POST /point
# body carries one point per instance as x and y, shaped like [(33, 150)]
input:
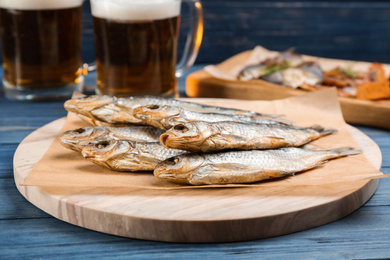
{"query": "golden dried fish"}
[(95, 122), (114, 114), (77, 139), (119, 110), (250, 72), (307, 73), (122, 155), (85, 105), (134, 102), (209, 137), (244, 166), (165, 117)]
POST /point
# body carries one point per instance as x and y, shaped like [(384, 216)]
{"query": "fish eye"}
[(79, 131), (180, 127), (102, 144), (152, 107), (172, 161)]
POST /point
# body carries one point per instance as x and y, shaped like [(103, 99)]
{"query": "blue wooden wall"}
[(356, 30)]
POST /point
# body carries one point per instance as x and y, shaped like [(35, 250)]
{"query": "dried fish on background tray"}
[(201, 136), (165, 117), (244, 166), (122, 155), (290, 69), (77, 139)]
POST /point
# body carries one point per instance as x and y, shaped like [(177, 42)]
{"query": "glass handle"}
[(194, 38)]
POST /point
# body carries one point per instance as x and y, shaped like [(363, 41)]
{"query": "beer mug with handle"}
[(41, 48), (136, 45)]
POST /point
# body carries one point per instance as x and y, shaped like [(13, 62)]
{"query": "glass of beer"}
[(136, 45), (41, 48)]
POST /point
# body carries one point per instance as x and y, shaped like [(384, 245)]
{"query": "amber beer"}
[(41, 51), (136, 47)]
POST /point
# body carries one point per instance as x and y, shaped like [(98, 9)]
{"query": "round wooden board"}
[(194, 215)]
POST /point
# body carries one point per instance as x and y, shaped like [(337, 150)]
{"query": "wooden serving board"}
[(192, 215), (203, 84)]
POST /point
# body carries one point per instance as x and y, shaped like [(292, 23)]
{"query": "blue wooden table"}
[(27, 232)]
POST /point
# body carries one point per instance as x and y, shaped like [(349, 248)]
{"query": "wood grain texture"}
[(203, 84), (204, 215)]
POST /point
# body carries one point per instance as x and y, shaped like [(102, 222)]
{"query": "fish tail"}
[(323, 130), (345, 151)]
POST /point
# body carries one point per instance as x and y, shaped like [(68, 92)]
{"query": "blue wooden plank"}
[(385, 156), (6, 164), (365, 234), (14, 206)]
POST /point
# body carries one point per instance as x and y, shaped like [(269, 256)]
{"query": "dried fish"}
[(309, 74), (134, 102), (244, 166), (165, 117), (85, 105), (120, 110), (201, 136), (250, 72), (77, 139), (122, 155), (114, 114), (287, 68)]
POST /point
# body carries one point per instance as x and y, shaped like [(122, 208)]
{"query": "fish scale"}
[(210, 137), (119, 110), (244, 166)]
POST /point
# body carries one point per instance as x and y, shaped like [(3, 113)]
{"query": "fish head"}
[(153, 114), (105, 112), (86, 104), (114, 113), (78, 138), (187, 135), (252, 72), (104, 150), (155, 111), (179, 168)]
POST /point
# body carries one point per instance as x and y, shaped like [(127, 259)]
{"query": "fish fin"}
[(281, 121), (319, 164), (309, 147), (87, 119), (282, 141), (345, 151), (323, 130), (272, 115)]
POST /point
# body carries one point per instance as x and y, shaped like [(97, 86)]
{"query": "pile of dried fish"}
[(290, 69), (190, 143)]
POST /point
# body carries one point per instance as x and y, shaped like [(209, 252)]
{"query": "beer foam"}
[(135, 10), (39, 4)]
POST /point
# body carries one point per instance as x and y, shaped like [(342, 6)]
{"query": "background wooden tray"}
[(202, 84), (194, 215)]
